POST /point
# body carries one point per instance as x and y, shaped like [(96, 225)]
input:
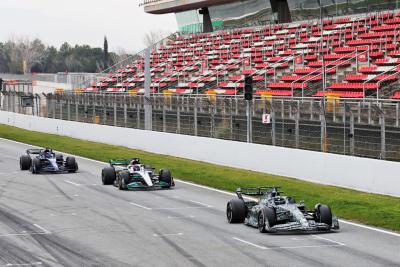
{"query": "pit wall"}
[(363, 174)]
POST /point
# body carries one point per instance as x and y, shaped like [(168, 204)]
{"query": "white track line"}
[(24, 264), (249, 243), (42, 228), (157, 235), (200, 203), (70, 182), (140, 206), (327, 239), (224, 192)]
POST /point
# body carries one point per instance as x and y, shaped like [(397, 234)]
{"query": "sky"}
[(82, 22)]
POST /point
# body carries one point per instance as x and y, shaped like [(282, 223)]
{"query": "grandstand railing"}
[(123, 62)]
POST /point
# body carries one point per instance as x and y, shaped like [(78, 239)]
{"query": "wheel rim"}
[(229, 213)]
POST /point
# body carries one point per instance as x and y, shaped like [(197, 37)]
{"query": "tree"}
[(106, 55), (153, 37)]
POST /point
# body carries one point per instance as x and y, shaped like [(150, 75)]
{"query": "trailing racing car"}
[(130, 174), (273, 212), (45, 160)]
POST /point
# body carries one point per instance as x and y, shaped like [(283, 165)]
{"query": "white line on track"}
[(157, 235), (249, 243), (337, 244), (140, 206), (327, 239), (42, 228), (222, 191), (180, 217), (70, 182), (180, 208), (24, 264), (200, 203)]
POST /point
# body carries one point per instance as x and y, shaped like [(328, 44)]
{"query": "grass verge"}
[(372, 209)]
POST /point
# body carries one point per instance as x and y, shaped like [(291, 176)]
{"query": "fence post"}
[(195, 116), (312, 109), (94, 109), (148, 108), (351, 136), (61, 108), (178, 119), (164, 115), (138, 114), (125, 113), (104, 113), (323, 130), (115, 113), (69, 109), (297, 125), (85, 107), (76, 109), (54, 107), (249, 121), (397, 114), (383, 136), (273, 129)]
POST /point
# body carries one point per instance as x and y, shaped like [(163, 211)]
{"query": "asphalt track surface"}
[(73, 220)]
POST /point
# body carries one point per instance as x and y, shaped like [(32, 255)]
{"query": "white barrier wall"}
[(363, 174)]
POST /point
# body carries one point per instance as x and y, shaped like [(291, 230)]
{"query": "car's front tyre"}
[(25, 162), (108, 175), (236, 211)]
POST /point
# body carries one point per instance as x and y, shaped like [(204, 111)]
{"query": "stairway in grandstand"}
[(359, 55)]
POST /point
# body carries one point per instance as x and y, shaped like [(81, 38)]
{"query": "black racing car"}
[(274, 212), (45, 160)]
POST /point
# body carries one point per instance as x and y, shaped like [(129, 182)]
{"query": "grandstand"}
[(349, 57)]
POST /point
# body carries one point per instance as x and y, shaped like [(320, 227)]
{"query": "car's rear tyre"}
[(35, 167), (71, 164), (266, 219), (324, 214), (166, 177), (124, 177), (236, 211), (108, 175), (25, 162)]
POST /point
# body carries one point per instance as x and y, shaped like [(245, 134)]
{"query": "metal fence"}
[(349, 127)]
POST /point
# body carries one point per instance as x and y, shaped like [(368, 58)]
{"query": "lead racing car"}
[(273, 212), (130, 174), (45, 160)]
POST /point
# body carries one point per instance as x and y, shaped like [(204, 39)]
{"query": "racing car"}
[(274, 212), (130, 174), (45, 160)]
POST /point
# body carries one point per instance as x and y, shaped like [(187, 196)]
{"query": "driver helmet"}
[(135, 161), (47, 152)]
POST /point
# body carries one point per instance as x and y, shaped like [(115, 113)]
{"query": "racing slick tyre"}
[(124, 177), (324, 214), (71, 164), (266, 219), (35, 167), (236, 211), (166, 177), (25, 162), (108, 175)]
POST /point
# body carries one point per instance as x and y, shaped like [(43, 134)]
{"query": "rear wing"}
[(33, 151), (119, 162), (255, 191)]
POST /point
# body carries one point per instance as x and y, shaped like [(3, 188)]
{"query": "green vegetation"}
[(372, 209)]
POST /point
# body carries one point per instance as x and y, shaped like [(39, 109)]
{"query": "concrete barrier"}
[(369, 175)]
